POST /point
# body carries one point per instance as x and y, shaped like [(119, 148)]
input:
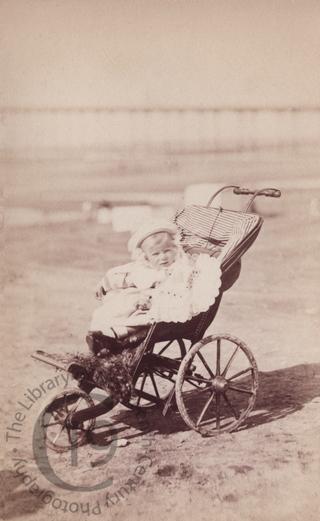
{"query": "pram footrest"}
[(59, 362)]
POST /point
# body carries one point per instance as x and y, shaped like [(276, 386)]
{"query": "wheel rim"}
[(57, 431), (220, 392)]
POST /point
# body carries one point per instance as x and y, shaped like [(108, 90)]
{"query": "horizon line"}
[(160, 108)]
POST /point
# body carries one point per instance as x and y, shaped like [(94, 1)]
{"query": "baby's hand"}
[(100, 292), (144, 302), (102, 288)]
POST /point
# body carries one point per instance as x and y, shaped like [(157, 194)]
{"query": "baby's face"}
[(160, 250)]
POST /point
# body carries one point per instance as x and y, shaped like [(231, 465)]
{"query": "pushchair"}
[(213, 380)]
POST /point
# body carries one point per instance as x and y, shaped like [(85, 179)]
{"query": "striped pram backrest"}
[(231, 232)]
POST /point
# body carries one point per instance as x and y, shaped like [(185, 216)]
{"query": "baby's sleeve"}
[(120, 277)]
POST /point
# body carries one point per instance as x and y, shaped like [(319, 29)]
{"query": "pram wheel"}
[(151, 388), (56, 427), (220, 391), (154, 381)]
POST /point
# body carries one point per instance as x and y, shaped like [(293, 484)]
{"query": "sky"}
[(98, 53)]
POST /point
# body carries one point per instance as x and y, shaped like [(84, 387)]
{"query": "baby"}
[(162, 284), (126, 291)]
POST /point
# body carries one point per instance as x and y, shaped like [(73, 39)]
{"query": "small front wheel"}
[(58, 433), (217, 384)]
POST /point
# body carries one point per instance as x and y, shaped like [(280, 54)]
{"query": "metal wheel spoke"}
[(234, 412), (164, 376), (240, 389), (182, 346), (154, 385), (66, 404), (218, 357), (205, 364), (202, 389), (51, 424), (204, 410), (165, 347), (71, 438), (57, 415), (141, 387), (58, 434), (77, 404), (197, 385), (218, 397), (199, 379), (224, 372), (240, 373), (193, 384)]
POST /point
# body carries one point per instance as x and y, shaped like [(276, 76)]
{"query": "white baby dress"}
[(177, 293), (190, 287)]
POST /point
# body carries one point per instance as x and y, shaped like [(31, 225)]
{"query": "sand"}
[(268, 470)]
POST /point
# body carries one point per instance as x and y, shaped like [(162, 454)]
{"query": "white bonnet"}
[(150, 229)]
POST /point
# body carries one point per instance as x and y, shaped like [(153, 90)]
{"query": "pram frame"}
[(177, 371)]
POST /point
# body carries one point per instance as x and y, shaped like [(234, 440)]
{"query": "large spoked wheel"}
[(217, 385), (58, 433), (155, 378)]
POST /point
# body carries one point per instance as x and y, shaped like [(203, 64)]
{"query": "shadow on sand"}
[(16, 500), (281, 392)]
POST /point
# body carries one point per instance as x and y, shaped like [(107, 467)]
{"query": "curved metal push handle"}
[(219, 192), (268, 192)]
